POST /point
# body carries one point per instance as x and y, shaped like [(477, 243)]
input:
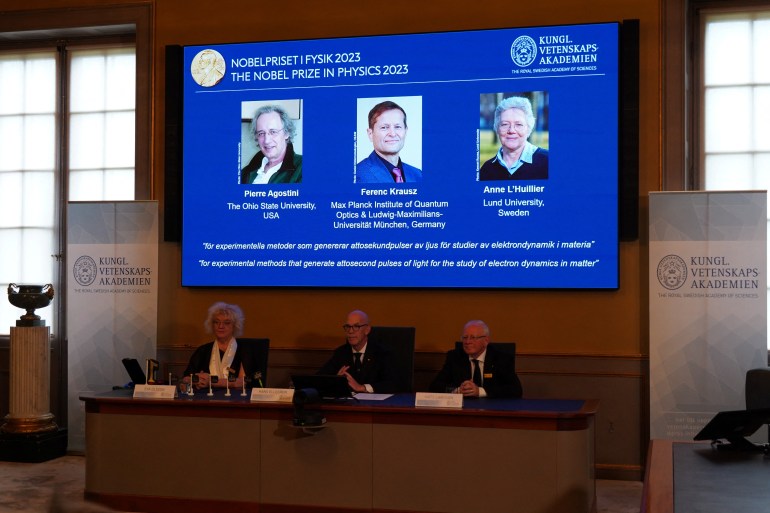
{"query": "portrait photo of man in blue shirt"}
[(387, 131)]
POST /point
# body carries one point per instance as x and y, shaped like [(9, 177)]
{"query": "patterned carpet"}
[(56, 486)]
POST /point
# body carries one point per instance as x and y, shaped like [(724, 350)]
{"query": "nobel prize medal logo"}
[(672, 272), (208, 68), (523, 51), (84, 270)]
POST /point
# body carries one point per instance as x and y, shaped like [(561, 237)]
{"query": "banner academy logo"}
[(672, 272), (523, 51), (84, 270)]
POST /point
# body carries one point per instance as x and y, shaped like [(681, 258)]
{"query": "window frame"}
[(682, 130), (682, 121), (29, 29)]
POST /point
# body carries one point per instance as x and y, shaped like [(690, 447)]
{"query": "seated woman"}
[(225, 322)]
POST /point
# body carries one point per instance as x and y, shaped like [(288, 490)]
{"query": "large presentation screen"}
[(475, 159)]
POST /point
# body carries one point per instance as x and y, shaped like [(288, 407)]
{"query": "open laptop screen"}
[(135, 371), (733, 425)]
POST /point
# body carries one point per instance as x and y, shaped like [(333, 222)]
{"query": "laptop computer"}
[(329, 386), (734, 426), (135, 371)]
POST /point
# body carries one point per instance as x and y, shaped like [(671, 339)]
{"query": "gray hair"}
[(482, 324), (233, 312), (288, 123), (515, 102)]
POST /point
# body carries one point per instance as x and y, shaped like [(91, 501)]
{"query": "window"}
[(99, 122), (735, 103), (102, 96), (74, 124), (43, 135), (27, 171), (716, 101)]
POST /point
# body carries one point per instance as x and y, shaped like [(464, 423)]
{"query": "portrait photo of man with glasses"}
[(274, 127), (366, 365)]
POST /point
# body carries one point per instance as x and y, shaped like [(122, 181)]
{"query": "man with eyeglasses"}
[(387, 132), (276, 161), (517, 158), (477, 369), (366, 365)]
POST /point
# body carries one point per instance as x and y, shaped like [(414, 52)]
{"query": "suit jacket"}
[(373, 170), (500, 379), (376, 369), (537, 170)]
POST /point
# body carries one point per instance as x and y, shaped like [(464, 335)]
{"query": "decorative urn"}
[(29, 298)]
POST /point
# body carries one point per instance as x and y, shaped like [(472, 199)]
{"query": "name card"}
[(274, 395), (434, 400), (154, 391)]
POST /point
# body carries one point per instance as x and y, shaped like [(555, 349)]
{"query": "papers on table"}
[(372, 397)]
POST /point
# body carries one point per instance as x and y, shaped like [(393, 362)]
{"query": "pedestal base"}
[(33, 447), (29, 425)]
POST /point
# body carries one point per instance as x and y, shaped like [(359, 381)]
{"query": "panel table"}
[(198, 454)]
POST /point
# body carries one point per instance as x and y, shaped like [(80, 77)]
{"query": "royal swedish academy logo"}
[(523, 51), (84, 270), (672, 272)]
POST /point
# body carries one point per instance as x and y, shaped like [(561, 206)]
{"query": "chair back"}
[(758, 390), (400, 341), (254, 356)]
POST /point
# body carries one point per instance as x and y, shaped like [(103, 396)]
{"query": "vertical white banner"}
[(112, 298), (708, 305)]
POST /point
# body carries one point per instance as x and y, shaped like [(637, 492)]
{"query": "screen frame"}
[(627, 167)]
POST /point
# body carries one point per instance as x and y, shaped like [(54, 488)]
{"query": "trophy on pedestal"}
[(29, 432), (29, 298)]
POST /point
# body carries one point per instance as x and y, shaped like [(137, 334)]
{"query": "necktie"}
[(476, 373), (357, 363), (398, 174)]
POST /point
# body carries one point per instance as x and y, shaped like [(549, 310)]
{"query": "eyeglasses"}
[(272, 133), (222, 323), (506, 126), (353, 327), (473, 338)]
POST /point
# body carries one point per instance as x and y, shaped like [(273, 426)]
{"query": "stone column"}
[(29, 400)]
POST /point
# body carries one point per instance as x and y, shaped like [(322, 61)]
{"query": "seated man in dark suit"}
[(477, 370), (365, 364)]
